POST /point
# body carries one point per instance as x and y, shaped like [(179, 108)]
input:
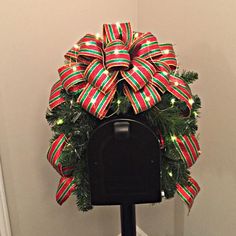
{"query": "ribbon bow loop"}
[(94, 65), (122, 31)]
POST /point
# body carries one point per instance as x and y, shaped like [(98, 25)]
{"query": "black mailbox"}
[(124, 163)]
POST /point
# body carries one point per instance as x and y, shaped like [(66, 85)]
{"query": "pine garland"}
[(169, 117)]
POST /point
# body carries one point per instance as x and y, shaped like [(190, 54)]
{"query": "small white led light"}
[(135, 68), (116, 51), (165, 73), (166, 51), (118, 101), (98, 36), (74, 68), (60, 121), (87, 43), (147, 99), (172, 101), (136, 35), (93, 100), (106, 72), (173, 138), (191, 101), (117, 24), (162, 193), (76, 46), (176, 83), (170, 173), (148, 42)]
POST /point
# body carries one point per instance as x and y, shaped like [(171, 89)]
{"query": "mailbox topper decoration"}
[(123, 73)]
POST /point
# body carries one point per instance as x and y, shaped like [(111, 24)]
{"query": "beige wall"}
[(205, 36), (34, 37)]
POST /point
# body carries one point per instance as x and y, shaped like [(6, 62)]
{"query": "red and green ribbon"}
[(66, 185), (188, 192), (188, 148), (93, 69), (94, 64), (55, 98)]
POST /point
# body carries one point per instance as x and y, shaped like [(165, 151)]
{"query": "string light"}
[(106, 72), (60, 121), (172, 101), (166, 51), (173, 138), (117, 24), (165, 73), (116, 51), (162, 193), (176, 83), (93, 100), (147, 99), (76, 46), (148, 42), (74, 68), (98, 36), (191, 101), (87, 43), (170, 173), (118, 101), (135, 68), (136, 35), (195, 113)]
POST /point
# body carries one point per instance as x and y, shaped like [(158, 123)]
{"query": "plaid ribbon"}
[(66, 183)]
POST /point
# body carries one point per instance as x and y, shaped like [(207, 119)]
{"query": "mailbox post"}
[(124, 168)]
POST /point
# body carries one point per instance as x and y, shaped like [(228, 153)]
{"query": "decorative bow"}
[(66, 184), (95, 67)]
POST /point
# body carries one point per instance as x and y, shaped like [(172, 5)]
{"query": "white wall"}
[(204, 33)]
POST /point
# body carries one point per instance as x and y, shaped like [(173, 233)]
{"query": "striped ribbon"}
[(168, 55), (144, 64), (188, 192), (99, 77), (55, 98), (94, 101), (161, 81), (120, 31), (66, 184), (117, 55), (188, 148), (143, 99), (90, 48), (72, 54), (71, 74), (140, 74), (145, 46), (180, 90)]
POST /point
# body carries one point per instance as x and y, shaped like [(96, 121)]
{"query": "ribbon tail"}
[(65, 188), (55, 98), (143, 99), (188, 192)]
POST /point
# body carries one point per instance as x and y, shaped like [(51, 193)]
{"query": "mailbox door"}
[(124, 163)]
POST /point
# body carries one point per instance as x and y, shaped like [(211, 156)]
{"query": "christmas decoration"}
[(123, 73)]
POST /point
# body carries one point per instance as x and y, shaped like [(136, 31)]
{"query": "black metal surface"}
[(128, 222), (124, 163)]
